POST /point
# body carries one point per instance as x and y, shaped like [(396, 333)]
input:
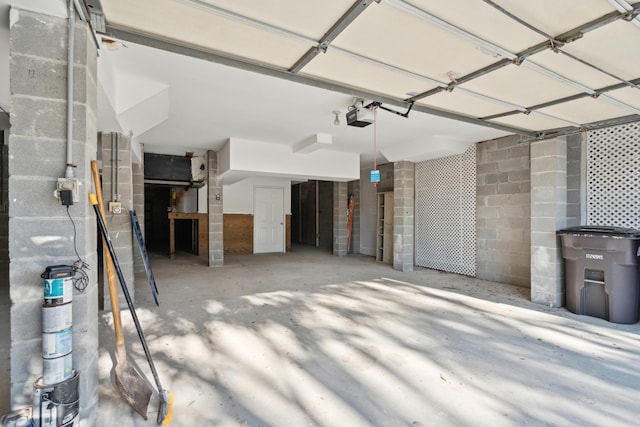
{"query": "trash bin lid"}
[(601, 230)]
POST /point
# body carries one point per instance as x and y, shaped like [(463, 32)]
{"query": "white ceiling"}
[(209, 102), (390, 52)]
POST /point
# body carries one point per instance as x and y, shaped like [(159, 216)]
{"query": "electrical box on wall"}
[(115, 207), (63, 187)]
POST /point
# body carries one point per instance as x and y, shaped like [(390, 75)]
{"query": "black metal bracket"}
[(377, 104)]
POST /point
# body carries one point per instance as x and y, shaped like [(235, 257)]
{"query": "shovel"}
[(131, 385), (166, 400)]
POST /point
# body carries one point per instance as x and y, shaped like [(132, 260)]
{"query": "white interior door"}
[(268, 220)]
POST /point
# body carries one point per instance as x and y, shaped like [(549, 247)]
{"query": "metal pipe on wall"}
[(115, 196), (70, 61)]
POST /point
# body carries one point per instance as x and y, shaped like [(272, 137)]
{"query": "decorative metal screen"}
[(445, 215), (613, 176)]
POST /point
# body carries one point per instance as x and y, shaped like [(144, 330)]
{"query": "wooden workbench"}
[(203, 230)]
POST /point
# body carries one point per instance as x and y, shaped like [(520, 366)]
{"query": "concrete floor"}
[(309, 339)]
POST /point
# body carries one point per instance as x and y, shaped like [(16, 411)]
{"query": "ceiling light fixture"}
[(336, 121)]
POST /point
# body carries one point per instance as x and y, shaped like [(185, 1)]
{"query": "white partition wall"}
[(613, 176), (445, 213)]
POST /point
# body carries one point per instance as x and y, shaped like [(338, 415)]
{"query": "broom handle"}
[(111, 275), (125, 290)]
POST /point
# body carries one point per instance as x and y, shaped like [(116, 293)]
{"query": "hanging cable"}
[(81, 281), (375, 143)]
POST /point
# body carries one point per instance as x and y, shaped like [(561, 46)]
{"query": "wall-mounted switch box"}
[(67, 184), (115, 207)]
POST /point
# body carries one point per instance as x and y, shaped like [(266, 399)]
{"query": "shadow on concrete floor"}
[(308, 339)]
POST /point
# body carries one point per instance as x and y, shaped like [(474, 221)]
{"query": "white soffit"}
[(167, 19), (410, 43), (464, 103), (521, 85), (433, 147), (334, 66), (247, 157), (494, 26), (613, 47), (586, 110)]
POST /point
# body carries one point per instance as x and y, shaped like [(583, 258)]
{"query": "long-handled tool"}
[(164, 412), (131, 385)]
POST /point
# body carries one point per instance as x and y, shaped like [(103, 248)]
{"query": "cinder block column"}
[(214, 194), (115, 152), (548, 214), (403, 215), (4, 216), (340, 206), (40, 230), (137, 169), (576, 179)]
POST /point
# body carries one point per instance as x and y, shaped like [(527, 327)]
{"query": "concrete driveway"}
[(309, 339)]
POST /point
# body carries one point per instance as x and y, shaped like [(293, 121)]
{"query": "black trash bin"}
[(602, 271)]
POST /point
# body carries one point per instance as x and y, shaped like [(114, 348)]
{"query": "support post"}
[(403, 215), (340, 206), (548, 214), (214, 195)]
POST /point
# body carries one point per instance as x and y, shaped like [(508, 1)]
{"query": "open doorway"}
[(312, 214), (159, 201)]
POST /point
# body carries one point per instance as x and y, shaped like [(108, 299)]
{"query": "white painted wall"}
[(224, 157), (237, 198), (186, 200), (202, 200)]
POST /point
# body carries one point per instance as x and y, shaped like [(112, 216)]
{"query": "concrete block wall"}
[(4, 215), (137, 169), (548, 214), (403, 215), (216, 218), (340, 196), (576, 179), (41, 232), (119, 225), (503, 209), (5, 318)]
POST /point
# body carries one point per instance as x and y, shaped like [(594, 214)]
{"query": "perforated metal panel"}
[(613, 176), (445, 215)]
